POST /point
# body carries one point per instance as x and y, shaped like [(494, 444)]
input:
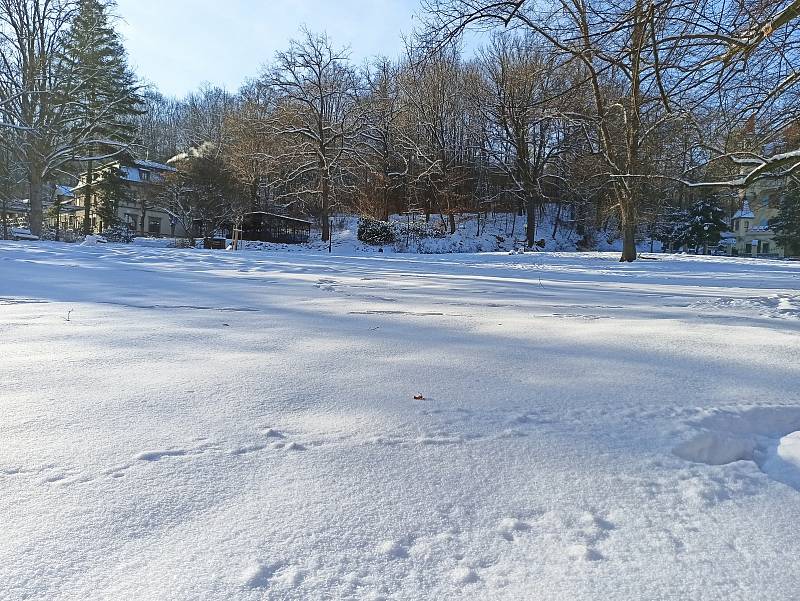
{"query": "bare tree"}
[(649, 65), (31, 99), (524, 88), (316, 108)]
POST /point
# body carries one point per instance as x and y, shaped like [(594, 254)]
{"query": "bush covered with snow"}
[(119, 233), (375, 232)]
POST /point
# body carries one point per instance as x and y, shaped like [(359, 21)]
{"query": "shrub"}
[(119, 233), (375, 232)]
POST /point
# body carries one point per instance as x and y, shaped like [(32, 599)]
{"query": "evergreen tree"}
[(787, 224), (700, 227), (105, 89), (111, 190)]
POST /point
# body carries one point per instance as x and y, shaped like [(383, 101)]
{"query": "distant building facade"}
[(58, 207), (751, 233), (139, 208)]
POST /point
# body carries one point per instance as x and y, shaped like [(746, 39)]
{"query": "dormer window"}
[(145, 175)]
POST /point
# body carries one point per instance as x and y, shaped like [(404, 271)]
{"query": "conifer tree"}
[(104, 88), (787, 223), (701, 226)]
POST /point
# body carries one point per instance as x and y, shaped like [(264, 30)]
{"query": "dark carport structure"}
[(270, 227)]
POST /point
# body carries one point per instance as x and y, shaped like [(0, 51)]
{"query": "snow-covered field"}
[(180, 425)]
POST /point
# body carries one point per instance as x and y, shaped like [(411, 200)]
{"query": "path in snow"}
[(198, 425)]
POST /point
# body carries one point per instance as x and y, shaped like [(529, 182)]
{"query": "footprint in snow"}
[(393, 550), (157, 455), (261, 576), (464, 575), (247, 449), (583, 553), (509, 528)]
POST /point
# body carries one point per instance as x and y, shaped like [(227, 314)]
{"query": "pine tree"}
[(104, 87), (111, 190), (787, 224), (700, 226)]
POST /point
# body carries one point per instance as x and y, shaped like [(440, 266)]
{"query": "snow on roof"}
[(305, 221), (17, 205), (64, 191), (745, 212), (145, 164)]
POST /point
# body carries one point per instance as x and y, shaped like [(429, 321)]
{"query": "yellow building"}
[(751, 234)]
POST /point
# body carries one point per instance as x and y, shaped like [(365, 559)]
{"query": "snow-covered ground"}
[(182, 424)]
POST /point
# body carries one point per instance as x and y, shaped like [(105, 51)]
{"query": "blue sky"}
[(178, 45)]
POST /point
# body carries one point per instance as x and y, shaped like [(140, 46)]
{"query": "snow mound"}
[(768, 436), (775, 306), (781, 461)]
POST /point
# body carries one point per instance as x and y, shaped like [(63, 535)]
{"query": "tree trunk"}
[(87, 199), (35, 190), (4, 216), (326, 222), (254, 194), (628, 240), (386, 198), (531, 221), (143, 214), (557, 222)]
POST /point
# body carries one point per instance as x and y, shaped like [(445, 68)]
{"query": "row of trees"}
[(624, 112)]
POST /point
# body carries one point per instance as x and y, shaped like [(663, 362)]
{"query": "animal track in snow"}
[(275, 575), (277, 440), (393, 550), (464, 575), (158, 455), (510, 528), (579, 316), (326, 285)]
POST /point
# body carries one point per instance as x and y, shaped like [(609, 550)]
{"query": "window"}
[(747, 226), (154, 226), (765, 248), (735, 225), (145, 175)]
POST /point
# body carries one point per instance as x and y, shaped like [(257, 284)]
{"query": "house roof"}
[(303, 221), (745, 212), (146, 164), (65, 191), (16, 205), (23, 205)]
